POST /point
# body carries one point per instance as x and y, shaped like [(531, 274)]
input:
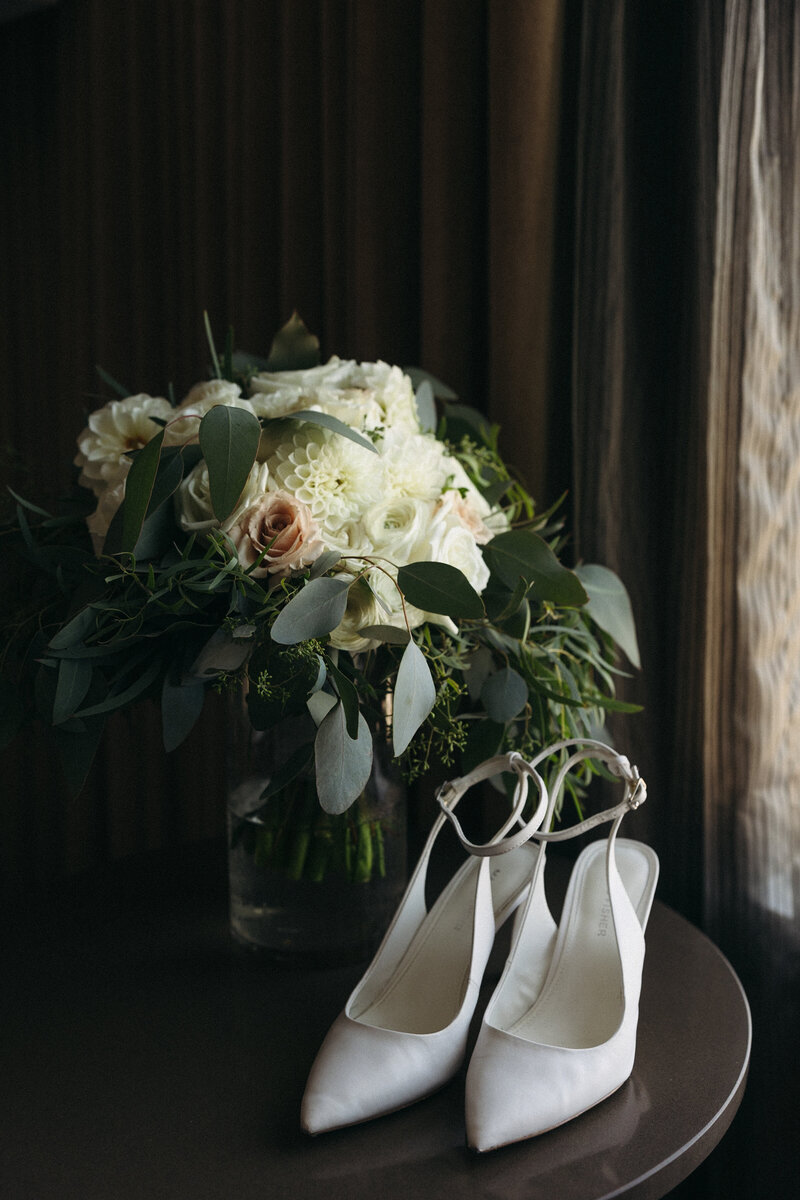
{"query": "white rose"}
[(280, 528), (467, 511), (374, 600), (200, 400), (450, 542), (362, 610), (474, 510), (366, 396), (112, 431), (193, 510)]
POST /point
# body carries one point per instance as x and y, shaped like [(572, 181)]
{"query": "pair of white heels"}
[(559, 1032)]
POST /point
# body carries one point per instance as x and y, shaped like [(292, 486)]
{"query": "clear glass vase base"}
[(326, 924)]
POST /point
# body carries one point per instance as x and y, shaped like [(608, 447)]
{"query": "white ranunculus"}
[(366, 396), (112, 431), (394, 528), (193, 510), (336, 478)]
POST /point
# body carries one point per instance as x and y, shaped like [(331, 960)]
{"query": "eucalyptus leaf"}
[(74, 680), (293, 347), (222, 652), (244, 363), (501, 604), (418, 377), (479, 667), (156, 534), (319, 704), (439, 588), (326, 561), (322, 675), (119, 699), (77, 752), (463, 415), (229, 439), (504, 695), (426, 407), (191, 456), (168, 476), (76, 740), (115, 386), (494, 492), (75, 630), (138, 490), (610, 607), (343, 764), (348, 696), (392, 634), (314, 611), (520, 553), (414, 696), (181, 706), (518, 623), (34, 508), (326, 421), (296, 764)]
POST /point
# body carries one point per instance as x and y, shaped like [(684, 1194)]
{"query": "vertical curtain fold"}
[(524, 57), (687, 460), (630, 494)]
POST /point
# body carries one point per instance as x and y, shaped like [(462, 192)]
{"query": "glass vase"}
[(307, 888)]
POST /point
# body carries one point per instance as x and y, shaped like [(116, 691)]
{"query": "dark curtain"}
[(559, 207), (387, 169), (686, 457)]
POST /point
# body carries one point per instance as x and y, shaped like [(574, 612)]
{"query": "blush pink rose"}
[(284, 526), (464, 508)]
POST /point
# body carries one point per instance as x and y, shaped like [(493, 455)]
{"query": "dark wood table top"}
[(143, 1055)]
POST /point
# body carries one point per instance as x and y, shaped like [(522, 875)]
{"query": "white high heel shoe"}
[(559, 1033), (403, 1031)]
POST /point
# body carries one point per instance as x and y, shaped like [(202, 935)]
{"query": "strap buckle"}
[(445, 795), (637, 790)]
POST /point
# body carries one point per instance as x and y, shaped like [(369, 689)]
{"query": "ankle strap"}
[(618, 764), (635, 794), (451, 792)]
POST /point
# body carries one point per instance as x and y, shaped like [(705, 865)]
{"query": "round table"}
[(144, 1055)]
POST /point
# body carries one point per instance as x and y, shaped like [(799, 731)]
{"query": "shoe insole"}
[(427, 989), (581, 1001)]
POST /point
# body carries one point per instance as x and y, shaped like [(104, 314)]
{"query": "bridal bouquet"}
[(342, 538)]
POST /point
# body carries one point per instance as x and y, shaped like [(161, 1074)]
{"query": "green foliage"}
[(166, 615)]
